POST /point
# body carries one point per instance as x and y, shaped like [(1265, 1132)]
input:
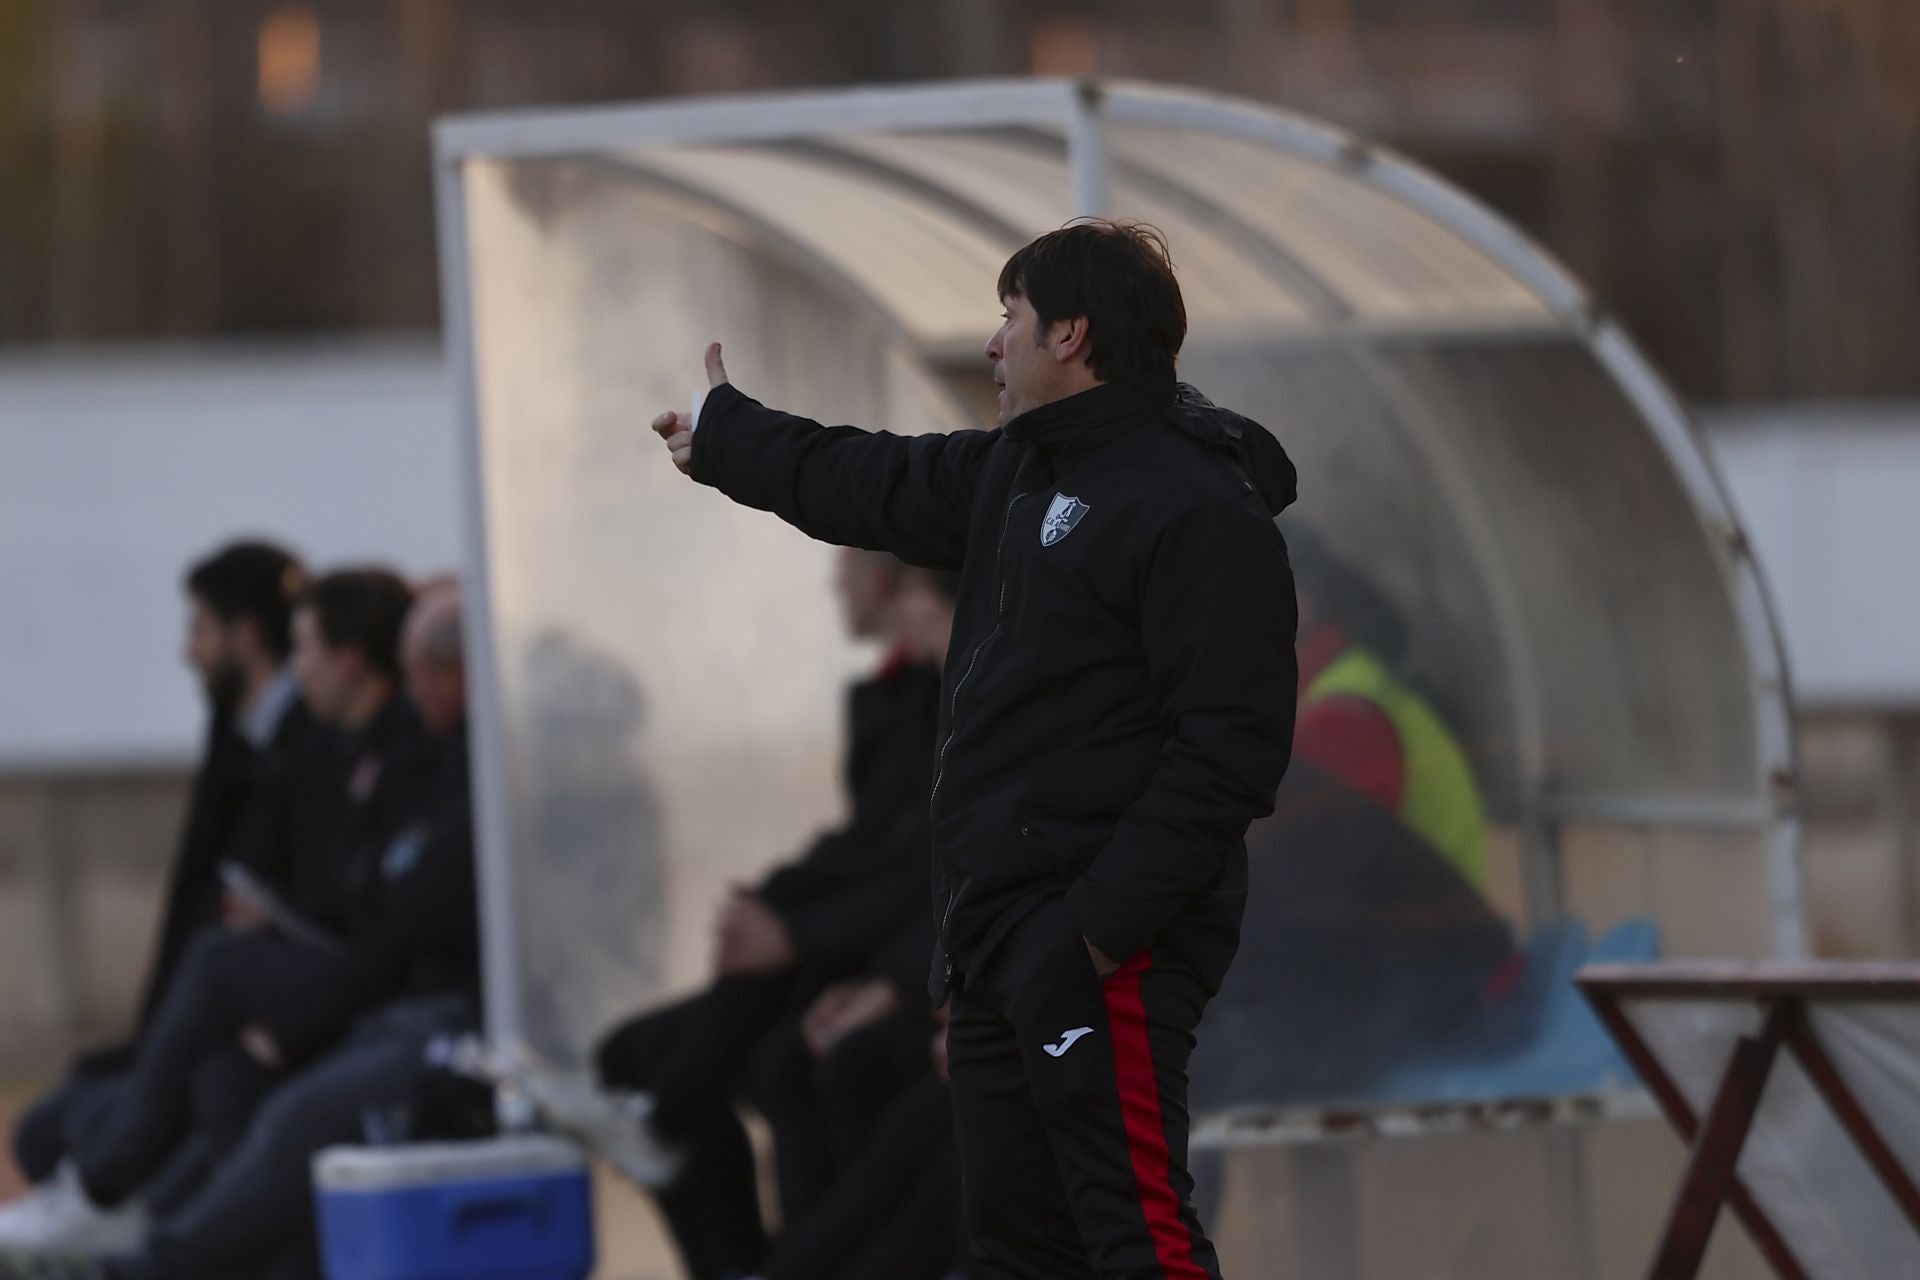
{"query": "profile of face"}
[(1022, 364), (924, 620), (438, 690), (326, 674), (865, 582), (430, 661), (212, 649)]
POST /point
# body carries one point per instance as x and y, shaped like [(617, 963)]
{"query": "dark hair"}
[(256, 581), (362, 609), (1349, 597), (1119, 275)]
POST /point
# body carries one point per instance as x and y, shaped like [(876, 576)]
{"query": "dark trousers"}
[(59, 1122), (783, 1089), (225, 980), (824, 1111), (892, 1214), (253, 1215), (693, 1058), (1070, 1101), (48, 1129)]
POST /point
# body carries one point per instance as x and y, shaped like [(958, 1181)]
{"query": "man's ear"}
[(1068, 340)]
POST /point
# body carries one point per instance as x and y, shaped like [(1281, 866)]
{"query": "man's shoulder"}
[(1173, 478)]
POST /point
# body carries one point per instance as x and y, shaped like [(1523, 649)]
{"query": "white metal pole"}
[(1087, 150), (493, 846)]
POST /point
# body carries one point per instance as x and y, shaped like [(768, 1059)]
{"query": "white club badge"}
[(1062, 515)]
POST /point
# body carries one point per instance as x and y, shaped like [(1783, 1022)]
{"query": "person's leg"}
[(1017, 1211), (912, 1139), (713, 1209), (781, 1088), (689, 1056), (859, 1077), (917, 1241), (1114, 1106), (149, 1114), (40, 1138), (258, 1204), (56, 1214), (225, 981), (228, 1086)]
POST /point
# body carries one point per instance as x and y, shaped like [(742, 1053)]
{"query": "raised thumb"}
[(716, 371)]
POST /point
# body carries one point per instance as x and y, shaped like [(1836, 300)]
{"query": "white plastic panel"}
[(668, 666), (1383, 260)]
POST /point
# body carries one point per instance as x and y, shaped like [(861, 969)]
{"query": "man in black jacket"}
[(261, 745), (1117, 708)]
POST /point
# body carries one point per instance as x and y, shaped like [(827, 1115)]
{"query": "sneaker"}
[(22, 1216), (57, 1217), (619, 1128)]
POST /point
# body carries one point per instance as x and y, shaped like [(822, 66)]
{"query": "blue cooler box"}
[(516, 1208)]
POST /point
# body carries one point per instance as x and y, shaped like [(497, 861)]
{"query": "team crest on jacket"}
[(1062, 515)]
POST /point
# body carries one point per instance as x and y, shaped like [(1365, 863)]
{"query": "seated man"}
[(823, 1076), (894, 1210), (413, 939), (262, 748), (776, 944), (272, 985), (1375, 935)]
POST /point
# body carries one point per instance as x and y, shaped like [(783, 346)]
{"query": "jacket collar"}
[(1090, 418)]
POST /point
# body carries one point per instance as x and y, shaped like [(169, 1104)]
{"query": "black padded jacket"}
[(1119, 695)]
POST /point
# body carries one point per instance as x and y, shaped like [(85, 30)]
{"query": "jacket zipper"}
[(953, 707)]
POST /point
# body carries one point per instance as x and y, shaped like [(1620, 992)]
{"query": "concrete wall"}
[(82, 862)]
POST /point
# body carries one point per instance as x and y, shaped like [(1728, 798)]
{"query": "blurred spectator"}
[(414, 975), (1375, 937), (260, 743), (272, 981), (823, 1075), (1360, 722), (775, 945)]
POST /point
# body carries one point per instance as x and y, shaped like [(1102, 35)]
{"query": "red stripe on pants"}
[(1146, 1130)]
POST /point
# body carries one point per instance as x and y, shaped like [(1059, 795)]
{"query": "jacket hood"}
[(1245, 440)]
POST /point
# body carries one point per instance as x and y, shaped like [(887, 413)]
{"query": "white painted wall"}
[(118, 467), (1830, 496)]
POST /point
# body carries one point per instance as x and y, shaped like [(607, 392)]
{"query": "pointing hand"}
[(676, 429)]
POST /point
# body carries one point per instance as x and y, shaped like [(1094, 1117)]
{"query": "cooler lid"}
[(430, 1163)]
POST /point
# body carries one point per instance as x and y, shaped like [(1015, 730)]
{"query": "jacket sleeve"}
[(1217, 620), (839, 928), (909, 495), (808, 874)]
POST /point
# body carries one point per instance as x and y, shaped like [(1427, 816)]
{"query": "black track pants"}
[(1070, 1101)]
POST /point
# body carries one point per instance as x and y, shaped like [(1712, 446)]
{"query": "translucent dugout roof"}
[(660, 709)]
